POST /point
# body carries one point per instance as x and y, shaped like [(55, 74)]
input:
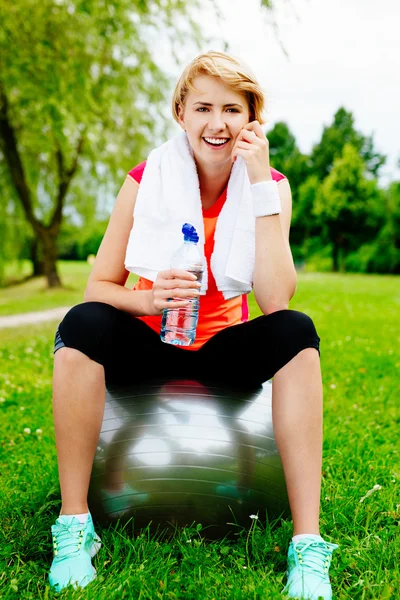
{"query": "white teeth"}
[(216, 141)]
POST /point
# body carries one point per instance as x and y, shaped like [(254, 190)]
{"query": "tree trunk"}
[(49, 244), (46, 234), (335, 256), (36, 258)]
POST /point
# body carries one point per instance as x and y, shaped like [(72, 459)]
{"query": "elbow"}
[(271, 308), (88, 295), (269, 305), (274, 303)]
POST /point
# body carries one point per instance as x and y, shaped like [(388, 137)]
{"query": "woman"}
[(114, 334)]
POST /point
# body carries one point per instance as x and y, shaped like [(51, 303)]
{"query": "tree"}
[(386, 256), (306, 227), (333, 139), (79, 93), (349, 205), (286, 156)]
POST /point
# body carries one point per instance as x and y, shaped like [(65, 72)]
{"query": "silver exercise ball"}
[(178, 453)]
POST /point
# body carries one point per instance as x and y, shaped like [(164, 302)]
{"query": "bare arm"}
[(275, 276), (108, 276)]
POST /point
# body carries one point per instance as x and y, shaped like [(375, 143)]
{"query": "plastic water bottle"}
[(178, 325)]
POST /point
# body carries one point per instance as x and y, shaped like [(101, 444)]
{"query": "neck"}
[(212, 183)]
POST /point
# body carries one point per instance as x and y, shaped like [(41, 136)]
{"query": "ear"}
[(181, 116)]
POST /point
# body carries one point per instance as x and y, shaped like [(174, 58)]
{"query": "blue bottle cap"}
[(189, 233)]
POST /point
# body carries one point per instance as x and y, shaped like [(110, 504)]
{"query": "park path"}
[(52, 314)]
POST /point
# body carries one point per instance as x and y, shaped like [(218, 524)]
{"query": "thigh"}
[(251, 353), (129, 350)]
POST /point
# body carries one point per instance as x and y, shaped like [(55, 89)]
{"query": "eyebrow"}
[(225, 105)]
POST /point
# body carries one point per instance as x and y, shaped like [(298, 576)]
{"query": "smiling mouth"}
[(216, 142)]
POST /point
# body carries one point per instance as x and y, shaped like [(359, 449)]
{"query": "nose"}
[(216, 122)]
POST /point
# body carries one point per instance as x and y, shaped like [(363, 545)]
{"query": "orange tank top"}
[(215, 313)]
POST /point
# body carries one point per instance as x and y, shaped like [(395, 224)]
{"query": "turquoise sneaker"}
[(74, 545), (308, 566)]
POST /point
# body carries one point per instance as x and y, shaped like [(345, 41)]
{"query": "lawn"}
[(358, 320), (34, 295)]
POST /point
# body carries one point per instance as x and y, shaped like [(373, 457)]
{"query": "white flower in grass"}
[(371, 491), (22, 408), (244, 567), (27, 430), (2, 399), (253, 517), (39, 431), (333, 386), (29, 350)]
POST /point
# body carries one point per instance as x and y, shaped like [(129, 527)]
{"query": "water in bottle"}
[(178, 325)]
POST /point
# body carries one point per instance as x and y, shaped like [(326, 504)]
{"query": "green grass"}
[(358, 320), (34, 295)]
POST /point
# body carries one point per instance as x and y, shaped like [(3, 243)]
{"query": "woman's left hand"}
[(252, 145)]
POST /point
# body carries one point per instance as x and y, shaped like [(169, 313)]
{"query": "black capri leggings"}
[(247, 354)]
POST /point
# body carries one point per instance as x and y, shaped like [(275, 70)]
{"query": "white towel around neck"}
[(168, 197)]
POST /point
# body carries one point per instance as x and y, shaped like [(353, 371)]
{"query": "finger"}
[(180, 284), (177, 274), (183, 274), (244, 146), (244, 153), (239, 144), (256, 128), (178, 294), (246, 136), (171, 303), (182, 293)]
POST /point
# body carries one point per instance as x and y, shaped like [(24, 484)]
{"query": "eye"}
[(201, 108), (233, 109)]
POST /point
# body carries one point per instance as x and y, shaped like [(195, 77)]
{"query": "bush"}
[(77, 243), (359, 261), (380, 256)]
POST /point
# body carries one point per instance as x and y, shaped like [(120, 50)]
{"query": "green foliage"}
[(305, 225), (84, 68), (82, 99), (335, 137), (381, 256), (348, 204), (287, 158), (15, 234), (346, 191), (77, 243)]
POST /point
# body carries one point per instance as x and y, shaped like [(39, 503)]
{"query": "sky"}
[(340, 53)]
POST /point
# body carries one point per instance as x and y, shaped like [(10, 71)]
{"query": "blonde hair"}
[(232, 71)]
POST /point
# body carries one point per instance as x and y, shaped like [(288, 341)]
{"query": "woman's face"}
[(212, 119)]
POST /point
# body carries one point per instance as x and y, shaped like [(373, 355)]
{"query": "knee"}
[(296, 326), (305, 332), (88, 320), (303, 325), (69, 358)]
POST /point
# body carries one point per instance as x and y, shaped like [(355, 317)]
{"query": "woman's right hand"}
[(174, 288)]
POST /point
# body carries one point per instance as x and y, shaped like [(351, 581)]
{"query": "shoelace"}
[(315, 557), (67, 540)]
